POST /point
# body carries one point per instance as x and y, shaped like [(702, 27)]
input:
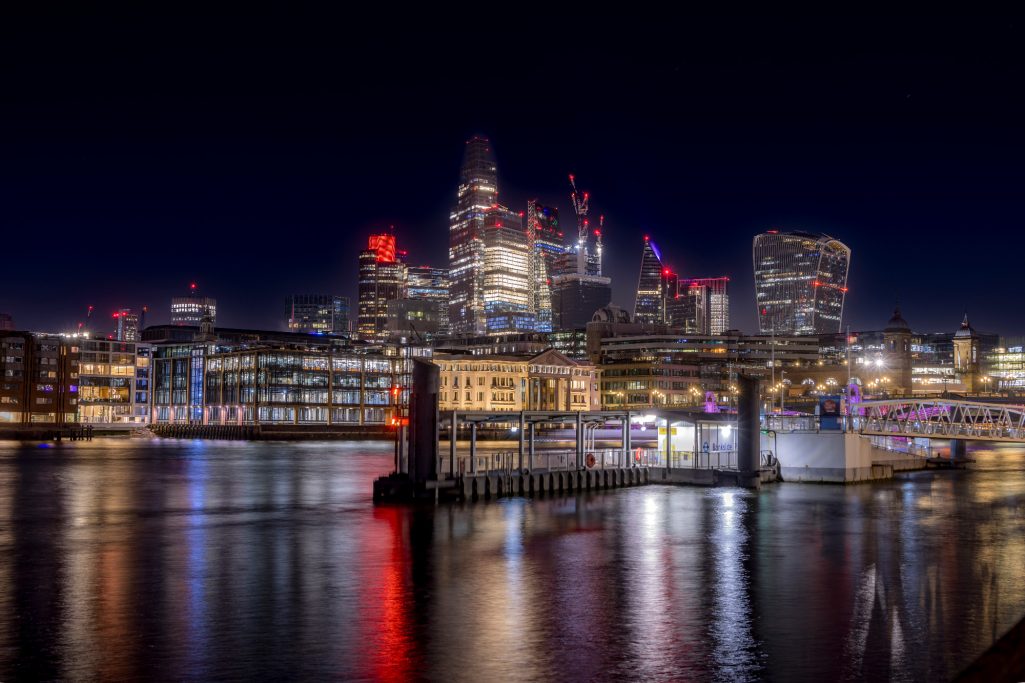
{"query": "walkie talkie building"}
[(800, 282)]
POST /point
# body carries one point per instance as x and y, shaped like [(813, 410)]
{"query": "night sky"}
[(252, 155)]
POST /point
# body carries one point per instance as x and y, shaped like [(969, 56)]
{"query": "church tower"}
[(966, 355)]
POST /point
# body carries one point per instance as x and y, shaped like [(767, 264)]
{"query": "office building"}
[(192, 308), (703, 305), (576, 297), (546, 245), (317, 313), (508, 305), (38, 378), (800, 282), (127, 325), (429, 286), (382, 278), (478, 192), (648, 304)]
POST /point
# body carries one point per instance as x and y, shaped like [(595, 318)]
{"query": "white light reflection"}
[(733, 643)]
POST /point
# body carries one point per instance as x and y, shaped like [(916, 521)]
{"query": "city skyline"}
[(900, 163)]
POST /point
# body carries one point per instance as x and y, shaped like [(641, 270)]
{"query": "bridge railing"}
[(548, 460)]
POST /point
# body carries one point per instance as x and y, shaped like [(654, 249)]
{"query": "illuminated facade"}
[(382, 278), (127, 325), (546, 381), (800, 282), (317, 313), (423, 314), (545, 242), (477, 193), (38, 378), (113, 382), (648, 304), (703, 305), (191, 309), (508, 303)]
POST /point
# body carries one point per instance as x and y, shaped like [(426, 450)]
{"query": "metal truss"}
[(942, 419)]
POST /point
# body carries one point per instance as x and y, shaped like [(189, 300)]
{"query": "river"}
[(191, 560)]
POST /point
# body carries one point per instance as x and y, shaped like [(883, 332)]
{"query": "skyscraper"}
[(648, 305), (508, 303), (317, 313), (127, 329), (424, 311), (576, 297), (706, 307), (478, 192), (382, 278), (800, 282), (545, 242), (191, 309)]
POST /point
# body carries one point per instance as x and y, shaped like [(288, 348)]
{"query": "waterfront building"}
[(317, 313), (6, 322), (523, 343), (382, 278), (38, 378), (648, 304), (800, 282), (113, 386), (253, 377), (1006, 367), (545, 381), (546, 245), (127, 325), (508, 295), (192, 308), (477, 193)]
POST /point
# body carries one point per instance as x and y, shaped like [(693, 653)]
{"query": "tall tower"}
[(648, 305), (478, 192), (966, 354), (800, 282), (545, 241), (191, 309), (897, 353), (508, 303), (382, 278)]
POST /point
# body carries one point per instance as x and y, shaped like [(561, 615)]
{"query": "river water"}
[(190, 560)]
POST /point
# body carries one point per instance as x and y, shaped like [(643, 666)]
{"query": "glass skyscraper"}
[(800, 282), (382, 278), (508, 303), (648, 306), (477, 193), (546, 245)]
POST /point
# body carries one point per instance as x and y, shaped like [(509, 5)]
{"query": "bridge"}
[(941, 419)]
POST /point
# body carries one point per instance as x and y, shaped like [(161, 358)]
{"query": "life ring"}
[(590, 460)]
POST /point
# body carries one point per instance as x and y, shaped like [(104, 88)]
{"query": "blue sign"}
[(830, 417)]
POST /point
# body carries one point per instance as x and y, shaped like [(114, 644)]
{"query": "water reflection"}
[(192, 561)]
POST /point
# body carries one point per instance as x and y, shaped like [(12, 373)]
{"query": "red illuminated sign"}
[(384, 245)]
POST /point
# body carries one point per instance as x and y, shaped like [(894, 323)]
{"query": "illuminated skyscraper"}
[(648, 306), (382, 278), (545, 242), (706, 305), (191, 309), (508, 302), (478, 192), (424, 312), (127, 329), (800, 282)]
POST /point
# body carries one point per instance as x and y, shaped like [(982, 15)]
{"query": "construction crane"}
[(580, 207)]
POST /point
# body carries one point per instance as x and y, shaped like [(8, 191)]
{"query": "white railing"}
[(943, 419)]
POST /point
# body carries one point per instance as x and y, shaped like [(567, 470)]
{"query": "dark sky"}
[(253, 155)]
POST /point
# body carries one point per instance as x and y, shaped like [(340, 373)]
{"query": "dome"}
[(897, 323), (965, 330), (610, 314)]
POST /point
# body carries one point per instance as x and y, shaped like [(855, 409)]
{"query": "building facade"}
[(192, 308), (317, 313), (508, 294), (546, 381), (546, 245), (648, 304), (38, 378), (382, 278), (126, 325), (800, 282), (576, 297), (6, 322), (478, 192), (113, 383)]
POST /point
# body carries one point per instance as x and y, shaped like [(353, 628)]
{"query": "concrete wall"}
[(833, 457)]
